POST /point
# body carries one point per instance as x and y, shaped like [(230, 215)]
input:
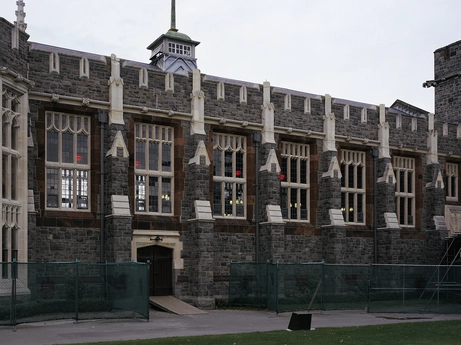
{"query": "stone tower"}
[(447, 83), (174, 51)]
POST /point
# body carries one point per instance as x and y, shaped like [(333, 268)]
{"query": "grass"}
[(420, 333)]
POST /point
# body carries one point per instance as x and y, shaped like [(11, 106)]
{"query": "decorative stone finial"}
[(20, 16)]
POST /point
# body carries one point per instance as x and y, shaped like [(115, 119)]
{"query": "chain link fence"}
[(31, 292), (320, 286)]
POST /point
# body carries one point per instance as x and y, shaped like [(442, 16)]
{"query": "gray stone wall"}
[(447, 143), (14, 59), (299, 248), (354, 127), (230, 107), (296, 118), (447, 62), (60, 243)]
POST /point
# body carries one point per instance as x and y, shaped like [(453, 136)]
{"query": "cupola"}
[(174, 51)]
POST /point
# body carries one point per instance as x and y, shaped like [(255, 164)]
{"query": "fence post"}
[(368, 288), (323, 285), (76, 290), (14, 276), (277, 287), (403, 287)]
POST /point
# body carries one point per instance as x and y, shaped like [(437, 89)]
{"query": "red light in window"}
[(238, 173), (282, 177), (137, 163), (79, 158)]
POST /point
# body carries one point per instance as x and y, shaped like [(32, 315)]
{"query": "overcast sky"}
[(371, 51)]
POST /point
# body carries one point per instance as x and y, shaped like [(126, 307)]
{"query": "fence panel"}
[(413, 288), (248, 284), (376, 288), (50, 291)]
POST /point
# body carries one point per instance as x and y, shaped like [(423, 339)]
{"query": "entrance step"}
[(174, 305)]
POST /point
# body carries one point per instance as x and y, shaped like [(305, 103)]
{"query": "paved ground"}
[(162, 324)]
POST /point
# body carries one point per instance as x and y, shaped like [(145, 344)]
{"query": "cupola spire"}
[(173, 15)]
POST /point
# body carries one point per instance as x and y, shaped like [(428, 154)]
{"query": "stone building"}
[(110, 159)]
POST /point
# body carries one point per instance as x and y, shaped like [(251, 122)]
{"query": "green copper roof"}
[(176, 35)]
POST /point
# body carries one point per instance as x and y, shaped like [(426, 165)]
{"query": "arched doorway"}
[(161, 269)]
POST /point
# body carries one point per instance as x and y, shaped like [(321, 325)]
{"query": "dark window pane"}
[(303, 171), (228, 164), (402, 181), (284, 202), (351, 176), (166, 157), (351, 207), (410, 182), (140, 155), (153, 194), (359, 177), (304, 205), (52, 146), (293, 204), (217, 200), (153, 156), (217, 163), (67, 147), (52, 191), (343, 175), (239, 164), (293, 170), (410, 211), (402, 211), (82, 149)]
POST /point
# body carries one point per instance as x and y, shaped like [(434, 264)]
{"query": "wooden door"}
[(161, 269)]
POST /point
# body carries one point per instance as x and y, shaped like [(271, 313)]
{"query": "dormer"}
[(174, 51)]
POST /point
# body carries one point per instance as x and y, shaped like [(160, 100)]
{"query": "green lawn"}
[(418, 333)]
